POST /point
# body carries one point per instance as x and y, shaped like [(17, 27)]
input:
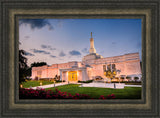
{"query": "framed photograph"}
[(79, 58), (76, 66)]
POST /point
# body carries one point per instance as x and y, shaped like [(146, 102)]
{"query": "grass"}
[(35, 83), (94, 92)]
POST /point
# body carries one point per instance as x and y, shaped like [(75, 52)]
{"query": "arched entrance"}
[(72, 76)]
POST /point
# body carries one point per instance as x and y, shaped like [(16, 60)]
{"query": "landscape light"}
[(21, 86)]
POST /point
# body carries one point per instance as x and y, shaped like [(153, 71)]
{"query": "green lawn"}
[(35, 83), (126, 93)]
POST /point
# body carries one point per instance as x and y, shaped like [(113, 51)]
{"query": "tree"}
[(24, 69), (22, 66), (141, 64), (37, 64), (110, 74), (22, 59)]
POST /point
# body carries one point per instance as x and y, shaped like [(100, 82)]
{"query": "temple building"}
[(93, 65)]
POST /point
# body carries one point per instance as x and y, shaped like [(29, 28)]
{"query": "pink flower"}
[(48, 94), (102, 97), (77, 94)]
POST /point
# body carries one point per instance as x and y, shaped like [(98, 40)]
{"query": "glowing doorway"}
[(72, 76)]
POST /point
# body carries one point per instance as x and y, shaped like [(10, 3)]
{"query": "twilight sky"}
[(62, 40)]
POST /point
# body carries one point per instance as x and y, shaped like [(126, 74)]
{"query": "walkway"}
[(109, 85), (103, 85), (133, 85), (50, 85), (100, 85)]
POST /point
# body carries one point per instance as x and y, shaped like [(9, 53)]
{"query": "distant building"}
[(92, 65)]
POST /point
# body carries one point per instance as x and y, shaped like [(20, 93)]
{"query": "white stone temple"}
[(93, 65)]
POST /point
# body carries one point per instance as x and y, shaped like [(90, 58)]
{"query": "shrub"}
[(59, 80), (36, 78), (128, 77), (136, 78), (45, 79), (121, 77), (88, 81), (115, 82), (49, 94), (112, 96)]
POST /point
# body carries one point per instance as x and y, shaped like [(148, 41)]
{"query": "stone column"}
[(60, 75), (119, 79), (83, 75), (132, 78), (80, 76), (67, 76), (139, 78)]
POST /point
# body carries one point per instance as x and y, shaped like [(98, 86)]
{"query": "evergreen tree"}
[(22, 66)]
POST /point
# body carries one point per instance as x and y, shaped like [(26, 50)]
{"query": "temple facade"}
[(92, 65)]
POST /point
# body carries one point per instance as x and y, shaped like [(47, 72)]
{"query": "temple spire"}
[(91, 34), (92, 49)]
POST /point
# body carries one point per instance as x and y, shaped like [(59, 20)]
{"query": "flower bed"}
[(49, 94)]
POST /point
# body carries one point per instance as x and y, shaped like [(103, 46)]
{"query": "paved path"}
[(104, 85), (101, 85), (50, 85), (133, 85), (109, 85)]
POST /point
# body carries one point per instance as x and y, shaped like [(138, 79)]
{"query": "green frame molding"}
[(12, 10)]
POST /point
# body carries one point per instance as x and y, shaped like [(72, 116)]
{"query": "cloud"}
[(27, 37), (60, 23), (62, 54), (52, 56), (113, 43), (43, 46), (85, 50), (36, 23), (74, 52), (28, 54), (40, 51), (47, 47)]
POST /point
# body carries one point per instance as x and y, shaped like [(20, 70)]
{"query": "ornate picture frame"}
[(12, 10)]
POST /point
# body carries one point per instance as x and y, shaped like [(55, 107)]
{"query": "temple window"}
[(104, 68), (113, 67), (109, 67)]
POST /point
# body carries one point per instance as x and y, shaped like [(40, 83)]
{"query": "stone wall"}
[(53, 70), (128, 64)]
